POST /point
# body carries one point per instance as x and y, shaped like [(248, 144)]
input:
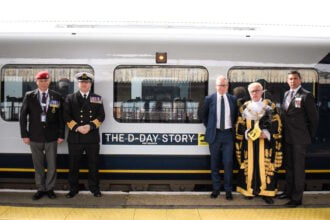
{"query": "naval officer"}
[(84, 114)]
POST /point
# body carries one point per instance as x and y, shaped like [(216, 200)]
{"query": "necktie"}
[(291, 95), (43, 101), (289, 99), (85, 96), (222, 114)]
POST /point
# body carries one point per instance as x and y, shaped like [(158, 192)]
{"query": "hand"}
[(26, 140), (87, 128), (60, 140), (84, 129), (81, 129), (263, 135)]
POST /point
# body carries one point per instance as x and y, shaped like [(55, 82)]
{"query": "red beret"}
[(42, 75)]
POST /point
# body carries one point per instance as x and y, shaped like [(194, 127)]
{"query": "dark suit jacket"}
[(78, 111), (300, 123), (210, 115), (30, 118)]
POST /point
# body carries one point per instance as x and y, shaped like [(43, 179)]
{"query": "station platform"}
[(18, 204)]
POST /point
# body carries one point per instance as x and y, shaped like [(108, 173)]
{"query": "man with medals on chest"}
[(258, 146), (42, 127), (84, 114), (300, 120)]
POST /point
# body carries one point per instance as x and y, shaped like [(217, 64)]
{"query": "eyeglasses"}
[(255, 91), (222, 85)]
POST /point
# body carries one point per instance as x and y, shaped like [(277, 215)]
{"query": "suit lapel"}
[(298, 94), (36, 101)]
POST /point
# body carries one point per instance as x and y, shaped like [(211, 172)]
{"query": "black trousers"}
[(75, 154), (295, 170)]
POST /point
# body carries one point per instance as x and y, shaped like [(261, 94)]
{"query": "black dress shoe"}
[(51, 194), (229, 196), (215, 194), (38, 195), (248, 197), (71, 194), (268, 200), (97, 193), (282, 196), (293, 204)]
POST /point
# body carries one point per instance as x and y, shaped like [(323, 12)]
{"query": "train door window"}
[(16, 80), (274, 81), (168, 94)]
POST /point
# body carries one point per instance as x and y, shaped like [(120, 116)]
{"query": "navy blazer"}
[(210, 115)]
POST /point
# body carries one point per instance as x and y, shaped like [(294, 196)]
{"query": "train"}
[(153, 79)]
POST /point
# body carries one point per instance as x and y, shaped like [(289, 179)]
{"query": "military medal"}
[(54, 104), (297, 102)]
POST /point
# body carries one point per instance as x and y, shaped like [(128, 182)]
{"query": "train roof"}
[(174, 30)]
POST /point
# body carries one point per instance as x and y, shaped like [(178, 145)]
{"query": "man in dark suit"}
[(300, 123), (84, 114), (219, 117), (42, 127)]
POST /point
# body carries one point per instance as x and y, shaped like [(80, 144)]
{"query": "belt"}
[(229, 129)]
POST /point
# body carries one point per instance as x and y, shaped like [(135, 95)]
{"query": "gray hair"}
[(253, 85), (221, 78)]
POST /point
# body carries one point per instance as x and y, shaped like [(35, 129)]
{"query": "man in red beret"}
[(42, 127)]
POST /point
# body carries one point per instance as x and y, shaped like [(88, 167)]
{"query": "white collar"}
[(295, 90), (257, 102), (43, 92), (82, 94), (219, 95)]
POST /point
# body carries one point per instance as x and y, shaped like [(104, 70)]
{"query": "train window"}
[(274, 81), (16, 80), (168, 94)]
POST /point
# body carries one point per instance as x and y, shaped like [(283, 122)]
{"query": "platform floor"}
[(157, 205)]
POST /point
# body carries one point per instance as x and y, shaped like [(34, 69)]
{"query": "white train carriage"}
[(153, 79)]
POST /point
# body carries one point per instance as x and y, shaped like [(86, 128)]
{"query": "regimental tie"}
[(43, 102), (222, 114)]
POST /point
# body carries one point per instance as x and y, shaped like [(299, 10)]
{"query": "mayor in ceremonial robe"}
[(258, 146)]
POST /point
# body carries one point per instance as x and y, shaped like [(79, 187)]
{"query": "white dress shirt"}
[(288, 98), (40, 99), (227, 111)]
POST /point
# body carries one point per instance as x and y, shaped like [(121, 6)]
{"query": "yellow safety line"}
[(29, 170)]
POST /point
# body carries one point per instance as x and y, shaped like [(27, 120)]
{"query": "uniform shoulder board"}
[(96, 99)]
